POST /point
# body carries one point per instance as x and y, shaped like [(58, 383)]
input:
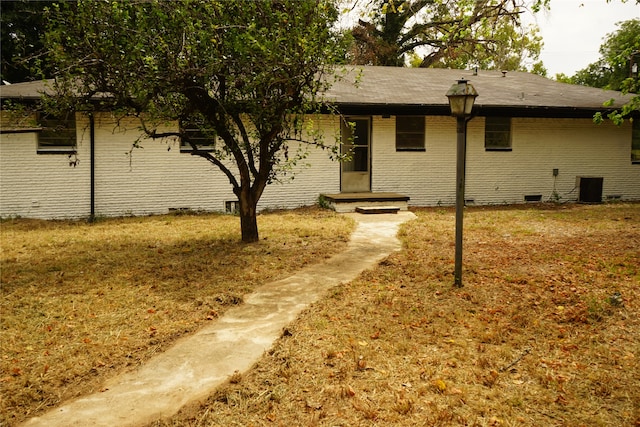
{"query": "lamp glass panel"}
[(457, 104)]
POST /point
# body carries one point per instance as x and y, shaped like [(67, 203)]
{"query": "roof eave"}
[(479, 110)]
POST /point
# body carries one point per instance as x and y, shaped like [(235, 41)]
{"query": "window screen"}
[(58, 133), (409, 133), (497, 133)]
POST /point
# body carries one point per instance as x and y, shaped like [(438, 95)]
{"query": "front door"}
[(355, 173)]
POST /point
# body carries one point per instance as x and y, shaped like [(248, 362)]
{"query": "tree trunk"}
[(248, 216)]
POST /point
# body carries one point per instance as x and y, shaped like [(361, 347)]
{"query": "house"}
[(530, 139)]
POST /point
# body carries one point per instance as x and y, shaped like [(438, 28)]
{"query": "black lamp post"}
[(461, 98)]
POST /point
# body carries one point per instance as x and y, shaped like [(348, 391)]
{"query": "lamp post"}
[(461, 98)]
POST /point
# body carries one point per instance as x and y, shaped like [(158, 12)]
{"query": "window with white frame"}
[(58, 134), (635, 141), (410, 133), (497, 134)]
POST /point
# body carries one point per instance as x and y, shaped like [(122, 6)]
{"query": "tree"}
[(614, 70), (619, 51), (21, 24), (241, 73), (447, 33)]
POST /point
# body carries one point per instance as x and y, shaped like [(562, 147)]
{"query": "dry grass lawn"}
[(546, 332), (82, 302)]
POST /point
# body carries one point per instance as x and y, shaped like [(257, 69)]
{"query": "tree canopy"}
[(21, 25), (618, 52), (615, 68), (240, 73), (447, 33)]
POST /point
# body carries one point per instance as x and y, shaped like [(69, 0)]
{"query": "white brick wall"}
[(152, 180), (427, 177), (42, 185), (576, 147), (308, 182), (155, 179)]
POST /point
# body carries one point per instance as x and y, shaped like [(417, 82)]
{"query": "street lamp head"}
[(461, 98)]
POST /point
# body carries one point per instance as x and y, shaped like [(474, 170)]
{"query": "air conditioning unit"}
[(589, 189)]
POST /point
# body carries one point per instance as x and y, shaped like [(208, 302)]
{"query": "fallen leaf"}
[(349, 391), (439, 385), (362, 364)]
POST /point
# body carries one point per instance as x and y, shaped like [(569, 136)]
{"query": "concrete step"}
[(377, 209), (348, 202)]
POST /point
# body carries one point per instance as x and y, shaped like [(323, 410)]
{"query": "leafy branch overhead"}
[(615, 69), (447, 33)]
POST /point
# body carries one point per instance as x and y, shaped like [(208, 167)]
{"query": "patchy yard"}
[(82, 302), (545, 332)]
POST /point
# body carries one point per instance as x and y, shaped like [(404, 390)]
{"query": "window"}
[(635, 141), (205, 141), (58, 134), (409, 133), (497, 134)]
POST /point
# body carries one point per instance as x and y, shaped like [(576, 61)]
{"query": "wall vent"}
[(589, 189), (232, 207), (178, 211), (533, 198)]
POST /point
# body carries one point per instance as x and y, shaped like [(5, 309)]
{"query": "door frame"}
[(356, 181)]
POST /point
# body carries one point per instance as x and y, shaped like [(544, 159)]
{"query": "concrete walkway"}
[(196, 365)]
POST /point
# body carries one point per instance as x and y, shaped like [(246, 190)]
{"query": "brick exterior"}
[(159, 177), (151, 180), (576, 147)]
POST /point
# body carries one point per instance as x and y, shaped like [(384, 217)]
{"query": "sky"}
[(574, 30)]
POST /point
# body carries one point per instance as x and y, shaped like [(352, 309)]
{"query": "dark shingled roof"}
[(28, 90), (397, 90)]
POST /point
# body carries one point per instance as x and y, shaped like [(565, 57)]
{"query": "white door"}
[(355, 173)]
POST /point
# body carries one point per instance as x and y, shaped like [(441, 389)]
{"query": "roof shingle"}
[(426, 87), (422, 90)]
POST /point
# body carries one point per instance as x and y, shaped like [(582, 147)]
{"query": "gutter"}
[(92, 168), (368, 109)]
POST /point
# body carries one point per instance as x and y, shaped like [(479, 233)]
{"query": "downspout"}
[(92, 168)]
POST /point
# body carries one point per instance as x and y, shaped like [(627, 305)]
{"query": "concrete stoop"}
[(367, 202)]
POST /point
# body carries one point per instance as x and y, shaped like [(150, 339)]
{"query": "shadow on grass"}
[(82, 302)]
